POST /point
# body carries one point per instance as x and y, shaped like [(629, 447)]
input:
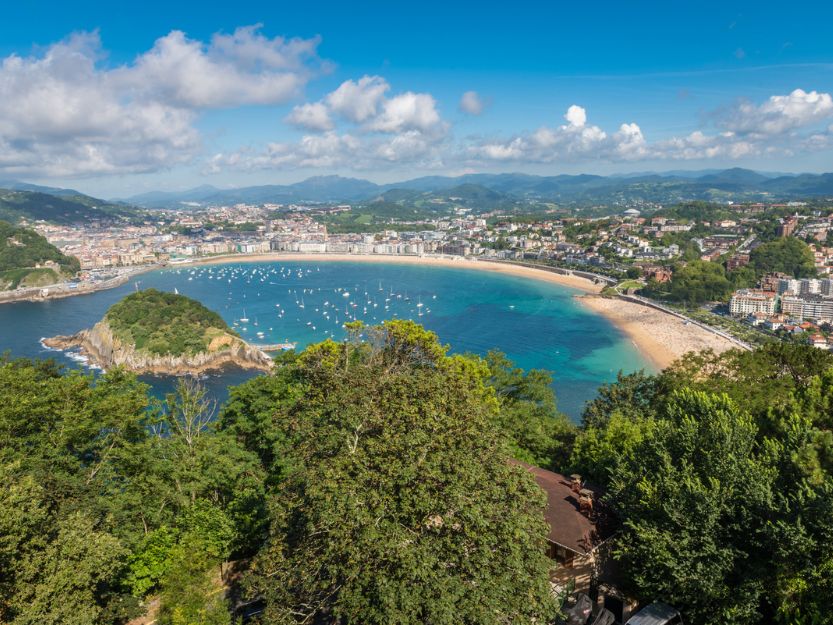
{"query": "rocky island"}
[(163, 333)]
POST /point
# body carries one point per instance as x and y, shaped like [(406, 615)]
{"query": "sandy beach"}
[(660, 337), (575, 282)]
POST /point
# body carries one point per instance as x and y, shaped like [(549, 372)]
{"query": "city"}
[(389, 314)]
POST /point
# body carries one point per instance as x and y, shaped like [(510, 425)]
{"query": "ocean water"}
[(537, 324)]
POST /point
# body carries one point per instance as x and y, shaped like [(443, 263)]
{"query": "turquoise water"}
[(535, 323)]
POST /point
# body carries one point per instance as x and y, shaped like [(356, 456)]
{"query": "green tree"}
[(403, 507), (688, 498), (787, 255), (528, 414), (63, 583)]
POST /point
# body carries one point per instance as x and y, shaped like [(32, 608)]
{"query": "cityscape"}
[(373, 314)]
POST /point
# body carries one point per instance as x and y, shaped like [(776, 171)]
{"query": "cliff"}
[(104, 349)]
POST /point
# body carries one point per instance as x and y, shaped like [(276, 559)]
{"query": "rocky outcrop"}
[(104, 349)]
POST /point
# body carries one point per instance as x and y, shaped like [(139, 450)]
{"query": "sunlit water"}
[(535, 323)]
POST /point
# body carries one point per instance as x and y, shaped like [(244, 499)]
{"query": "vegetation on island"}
[(368, 482), (163, 323), (28, 259)]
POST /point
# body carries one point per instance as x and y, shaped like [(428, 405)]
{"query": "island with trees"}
[(155, 332), (28, 260)]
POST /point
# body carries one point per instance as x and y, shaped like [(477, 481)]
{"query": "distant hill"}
[(28, 259), (60, 209), (488, 191)]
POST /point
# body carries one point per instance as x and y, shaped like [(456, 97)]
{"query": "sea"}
[(537, 324)]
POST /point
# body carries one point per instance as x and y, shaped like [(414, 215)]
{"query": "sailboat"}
[(244, 318)]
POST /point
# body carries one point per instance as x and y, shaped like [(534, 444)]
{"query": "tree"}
[(62, 583), (527, 413), (403, 507), (786, 255), (689, 499)]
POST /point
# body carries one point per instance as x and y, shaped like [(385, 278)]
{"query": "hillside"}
[(165, 323), (28, 259), (513, 190), (163, 333), (17, 204)]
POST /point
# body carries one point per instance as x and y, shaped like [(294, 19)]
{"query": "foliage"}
[(21, 249), (99, 490), (687, 497), (721, 472), (164, 323), (528, 415), (402, 507), (787, 255), (696, 282)]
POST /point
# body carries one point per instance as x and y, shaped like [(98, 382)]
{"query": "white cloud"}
[(233, 70), (358, 101), (746, 130), (780, 113), (409, 112), (310, 116), (403, 129), (65, 113), (471, 103), (576, 116)]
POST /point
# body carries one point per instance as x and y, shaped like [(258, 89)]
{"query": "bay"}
[(537, 324)]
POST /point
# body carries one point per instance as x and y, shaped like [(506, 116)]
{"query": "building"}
[(801, 307), (787, 227), (579, 525), (770, 281), (745, 302), (737, 261)]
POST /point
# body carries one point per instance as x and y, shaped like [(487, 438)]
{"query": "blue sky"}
[(171, 95)]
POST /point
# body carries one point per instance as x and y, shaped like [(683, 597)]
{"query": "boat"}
[(244, 318)]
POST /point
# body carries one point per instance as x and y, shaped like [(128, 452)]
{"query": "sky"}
[(116, 100)]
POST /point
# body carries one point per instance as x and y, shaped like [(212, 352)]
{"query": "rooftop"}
[(570, 528)]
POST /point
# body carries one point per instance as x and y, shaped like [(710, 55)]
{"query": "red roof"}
[(569, 528)]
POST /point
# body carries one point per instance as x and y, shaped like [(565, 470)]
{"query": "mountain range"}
[(432, 195), (492, 189)]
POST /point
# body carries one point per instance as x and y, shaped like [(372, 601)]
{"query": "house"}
[(579, 525)]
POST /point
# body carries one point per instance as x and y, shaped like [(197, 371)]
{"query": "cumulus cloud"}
[(778, 125), (471, 103), (65, 113), (333, 150), (409, 112), (310, 116), (576, 116), (403, 128), (779, 114), (358, 101)]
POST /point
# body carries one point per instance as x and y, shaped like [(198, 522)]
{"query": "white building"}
[(748, 301)]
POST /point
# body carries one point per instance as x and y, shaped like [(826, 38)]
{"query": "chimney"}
[(585, 501)]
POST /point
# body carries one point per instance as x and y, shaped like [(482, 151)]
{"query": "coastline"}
[(520, 271), (62, 290), (660, 337)]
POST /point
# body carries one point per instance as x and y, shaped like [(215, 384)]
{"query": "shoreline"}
[(61, 291), (659, 337), (521, 271)]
